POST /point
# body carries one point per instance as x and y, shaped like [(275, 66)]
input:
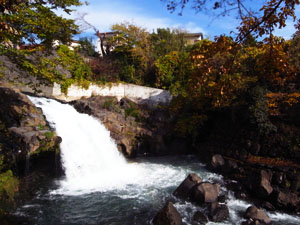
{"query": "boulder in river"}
[(184, 189), (217, 161), (206, 192), (219, 213), (286, 200), (255, 214), (168, 215), (200, 218)]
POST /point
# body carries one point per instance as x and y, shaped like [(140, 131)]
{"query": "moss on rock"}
[(9, 186)]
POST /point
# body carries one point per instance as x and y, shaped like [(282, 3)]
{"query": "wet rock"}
[(219, 213), (286, 200), (29, 147), (265, 183), (206, 192), (255, 214), (222, 198), (252, 222), (231, 165), (268, 206), (168, 215), (261, 183), (134, 127), (278, 178), (295, 182), (200, 218), (217, 161), (212, 206), (184, 189)]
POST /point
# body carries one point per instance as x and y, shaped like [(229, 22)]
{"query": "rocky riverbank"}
[(29, 148), (270, 186), (212, 203)]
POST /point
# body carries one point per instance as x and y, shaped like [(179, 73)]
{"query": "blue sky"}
[(152, 14)]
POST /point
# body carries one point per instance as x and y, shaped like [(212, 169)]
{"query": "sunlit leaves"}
[(35, 21)]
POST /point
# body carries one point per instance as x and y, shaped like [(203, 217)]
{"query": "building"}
[(72, 45), (103, 47), (192, 38)]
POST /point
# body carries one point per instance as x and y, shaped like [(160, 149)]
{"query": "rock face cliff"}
[(27, 144), (135, 128)]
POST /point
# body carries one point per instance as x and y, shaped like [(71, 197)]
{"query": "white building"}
[(72, 45), (103, 41)]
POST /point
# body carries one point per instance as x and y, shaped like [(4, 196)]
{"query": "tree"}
[(165, 41), (132, 51), (294, 51), (272, 14), (36, 22), (172, 71), (87, 47)]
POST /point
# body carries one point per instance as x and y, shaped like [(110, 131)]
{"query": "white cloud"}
[(104, 16), (190, 27)]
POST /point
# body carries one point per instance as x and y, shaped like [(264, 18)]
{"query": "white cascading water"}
[(89, 156)]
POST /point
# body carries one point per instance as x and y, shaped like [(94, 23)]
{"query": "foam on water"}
[(91, 159), (290, 219)]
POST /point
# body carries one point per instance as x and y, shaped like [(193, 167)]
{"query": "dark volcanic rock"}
[(255, 214), (112, 113), (25, 131), (184, 189), (265, 187), (200, 218), (168, 215), (286, 200), (219, 213), (28, 146), (217, 162), (134, 127), (206, 192)]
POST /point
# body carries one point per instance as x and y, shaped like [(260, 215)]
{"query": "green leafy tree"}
[(132, 51), (164, 41), (36, 22), (172, 72), (87, 47)]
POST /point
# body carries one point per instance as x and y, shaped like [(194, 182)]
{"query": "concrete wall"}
[(139, 94)]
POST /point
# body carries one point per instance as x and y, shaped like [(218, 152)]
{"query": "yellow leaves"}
[(211, 84), (276, 101)]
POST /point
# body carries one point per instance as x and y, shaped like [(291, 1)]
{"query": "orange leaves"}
[(276, 101), (216, 75), (274, 14)]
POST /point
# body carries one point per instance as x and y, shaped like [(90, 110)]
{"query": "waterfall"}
[(90, 157)]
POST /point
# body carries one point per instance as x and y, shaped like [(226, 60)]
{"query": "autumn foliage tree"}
[(271, 13)]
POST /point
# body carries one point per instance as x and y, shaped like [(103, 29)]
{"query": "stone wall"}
[(138, 94)]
